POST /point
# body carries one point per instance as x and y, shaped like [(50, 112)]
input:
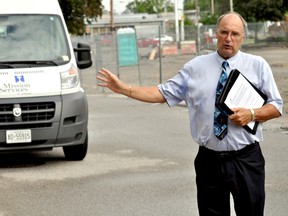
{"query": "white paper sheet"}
[(242, 94)]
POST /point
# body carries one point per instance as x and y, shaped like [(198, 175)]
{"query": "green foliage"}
[(188, 22), (189, 5), (140, 6), (261, 10), (149, 6), (251, 10), (77, 12), (92, 9), (204, 5), (208, 19)]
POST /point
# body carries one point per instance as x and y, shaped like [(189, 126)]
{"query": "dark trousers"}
[(240, 173)]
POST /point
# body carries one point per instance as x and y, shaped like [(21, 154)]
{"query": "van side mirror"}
[(83, 55)]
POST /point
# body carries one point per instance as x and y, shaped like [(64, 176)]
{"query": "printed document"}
[(242, 94)]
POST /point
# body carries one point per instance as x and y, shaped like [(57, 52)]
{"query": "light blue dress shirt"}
[(196, 84)]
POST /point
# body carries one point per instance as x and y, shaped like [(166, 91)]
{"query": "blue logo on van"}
[(19, 78)]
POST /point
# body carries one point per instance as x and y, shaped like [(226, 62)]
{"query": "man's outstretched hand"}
[(111, 81), (149, 94)]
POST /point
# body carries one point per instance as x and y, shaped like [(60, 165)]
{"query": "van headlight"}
[(70, 78)]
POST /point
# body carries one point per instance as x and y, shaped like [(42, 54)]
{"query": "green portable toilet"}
[(127, 47)]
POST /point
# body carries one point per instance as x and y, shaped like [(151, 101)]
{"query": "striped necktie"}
[(220, 116)]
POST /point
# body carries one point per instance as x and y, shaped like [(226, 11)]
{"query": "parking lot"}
[(139, 162)]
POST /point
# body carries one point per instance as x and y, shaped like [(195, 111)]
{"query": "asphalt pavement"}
[(139, 162)]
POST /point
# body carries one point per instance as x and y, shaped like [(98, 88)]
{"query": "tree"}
[(140, 6), (79, 12), (149, 6), (189, 5), (261, 10)]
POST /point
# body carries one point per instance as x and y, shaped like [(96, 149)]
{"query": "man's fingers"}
[(105, 72), (104, 76), (101, 78), (102, 84)]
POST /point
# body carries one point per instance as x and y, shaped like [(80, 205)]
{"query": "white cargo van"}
[(42, 104)]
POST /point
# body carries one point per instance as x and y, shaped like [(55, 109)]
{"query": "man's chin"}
[(227, 53)]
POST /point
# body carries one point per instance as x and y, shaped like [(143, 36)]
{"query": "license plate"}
[(18, 136)]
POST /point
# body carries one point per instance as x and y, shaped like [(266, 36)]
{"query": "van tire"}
[(76, 152)]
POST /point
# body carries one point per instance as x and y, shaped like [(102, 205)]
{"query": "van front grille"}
[(26, 115)]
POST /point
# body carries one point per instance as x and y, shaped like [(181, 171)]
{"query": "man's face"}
[(230, 35)]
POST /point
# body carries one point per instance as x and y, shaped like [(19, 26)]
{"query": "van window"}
[(33, 38)]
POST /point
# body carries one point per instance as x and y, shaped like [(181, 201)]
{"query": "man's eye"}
[(235, 34), (223, 32)]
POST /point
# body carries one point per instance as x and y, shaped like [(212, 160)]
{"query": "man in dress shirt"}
[(232, 165)]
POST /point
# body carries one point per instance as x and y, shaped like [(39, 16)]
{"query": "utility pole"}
[(111, 16), (231, 6), (176, 20), (198, 28), (212, 7)]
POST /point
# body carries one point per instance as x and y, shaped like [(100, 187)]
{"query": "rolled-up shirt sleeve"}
[(175, 89), (269, 87)]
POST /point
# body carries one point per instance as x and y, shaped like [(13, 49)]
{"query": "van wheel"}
[(76, 152)]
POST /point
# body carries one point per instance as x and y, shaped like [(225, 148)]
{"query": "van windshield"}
[(33, 38)]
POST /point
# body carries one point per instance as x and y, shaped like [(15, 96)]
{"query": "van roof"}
[(30, 7)]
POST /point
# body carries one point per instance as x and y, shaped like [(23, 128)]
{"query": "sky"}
[(118, 5)]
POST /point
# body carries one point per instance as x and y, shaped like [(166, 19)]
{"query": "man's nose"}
[(229, 36)]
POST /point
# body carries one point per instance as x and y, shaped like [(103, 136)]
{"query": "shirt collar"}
[(232, 61)]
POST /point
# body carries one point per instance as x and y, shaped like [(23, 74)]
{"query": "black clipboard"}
[(233, 76)]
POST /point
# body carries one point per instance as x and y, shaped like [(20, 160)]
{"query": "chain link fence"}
[(159, 61)]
